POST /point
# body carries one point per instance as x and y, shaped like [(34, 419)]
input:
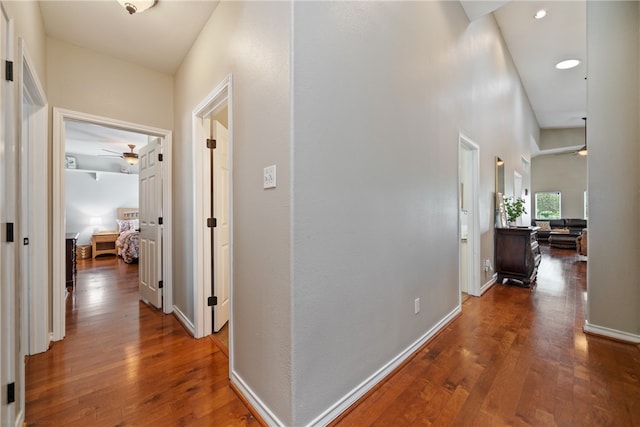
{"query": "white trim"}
[(182, 318), (11, 367), (611, 333), (35, 294), (473, 236), (489, 284), (267, 415), (59, 117), (363, 388), (216, 99), (20, 419)]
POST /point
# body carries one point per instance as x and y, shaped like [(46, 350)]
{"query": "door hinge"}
[(160, 157), (11, 393), (25, 241), (212, 222), (9, 232), (160, 220), (160, 284), (211, 144), (8, 71), (211, 301)]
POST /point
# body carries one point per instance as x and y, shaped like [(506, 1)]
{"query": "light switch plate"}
[(269, 177)]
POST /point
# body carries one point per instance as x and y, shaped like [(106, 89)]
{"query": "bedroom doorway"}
[(82, 166)]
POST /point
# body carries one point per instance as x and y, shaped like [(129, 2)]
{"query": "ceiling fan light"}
[(137, 6), (540, 14), (583, 151), (567, 64), (130, 158)]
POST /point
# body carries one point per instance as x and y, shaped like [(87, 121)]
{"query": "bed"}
[(128, 242)]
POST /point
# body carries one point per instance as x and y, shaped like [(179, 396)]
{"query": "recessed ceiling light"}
[(540, 14), (567, 63)]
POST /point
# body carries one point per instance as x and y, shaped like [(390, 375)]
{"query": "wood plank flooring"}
[(124, 363), (514, 357)]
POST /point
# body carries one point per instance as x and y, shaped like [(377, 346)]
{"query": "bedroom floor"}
[(125, 363)]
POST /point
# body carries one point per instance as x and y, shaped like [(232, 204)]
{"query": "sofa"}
[(560, 233)]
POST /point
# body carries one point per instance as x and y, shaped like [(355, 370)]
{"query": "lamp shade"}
[(130, 158)]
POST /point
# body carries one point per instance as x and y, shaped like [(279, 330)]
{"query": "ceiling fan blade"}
[(110, 155), (110, 151)]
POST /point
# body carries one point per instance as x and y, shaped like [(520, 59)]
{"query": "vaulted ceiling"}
[(159, 39)]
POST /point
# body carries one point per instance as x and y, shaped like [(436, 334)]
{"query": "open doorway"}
[(64, 121), (469, 239), (213, 206)]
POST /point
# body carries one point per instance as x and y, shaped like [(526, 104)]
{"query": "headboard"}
[(128, 213)]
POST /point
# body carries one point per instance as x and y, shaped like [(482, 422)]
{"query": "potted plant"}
[(514, 207)]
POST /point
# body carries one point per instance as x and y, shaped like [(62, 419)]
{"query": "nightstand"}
[(103, 243)]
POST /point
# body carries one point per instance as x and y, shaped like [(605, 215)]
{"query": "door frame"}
[(218, 98), (60, 115), (473, 234), (11, 367), (35, 292)]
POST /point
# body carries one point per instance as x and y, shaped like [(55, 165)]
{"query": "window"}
[(548, 205)]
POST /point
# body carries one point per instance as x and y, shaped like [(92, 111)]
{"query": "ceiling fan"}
[(129, 157), (582, 151)]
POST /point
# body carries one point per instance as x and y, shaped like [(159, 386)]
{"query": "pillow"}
[(127, 224), (544, 225)]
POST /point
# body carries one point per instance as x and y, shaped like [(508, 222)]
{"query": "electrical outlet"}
[(487, 264), (269, 177), (416, 306)]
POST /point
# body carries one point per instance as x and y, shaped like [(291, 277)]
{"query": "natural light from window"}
[(548, 205), (586, 205)]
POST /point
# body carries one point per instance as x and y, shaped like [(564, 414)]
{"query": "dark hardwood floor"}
[(124, 363), (514, 357)]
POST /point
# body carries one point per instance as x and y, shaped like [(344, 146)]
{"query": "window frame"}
[(535, 198)]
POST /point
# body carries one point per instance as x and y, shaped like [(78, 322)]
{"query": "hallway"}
[(124, 363), (514, 357)]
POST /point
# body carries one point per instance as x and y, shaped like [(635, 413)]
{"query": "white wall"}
[(614, 187), (381, 91), (565, 173), (28, 25), (251, 41), (85, 81), (87, 197)]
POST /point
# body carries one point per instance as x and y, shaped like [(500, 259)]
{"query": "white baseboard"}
[(489, 284), (269, 417), (351, 397), (19, 419), (184, 320), (611, 333)]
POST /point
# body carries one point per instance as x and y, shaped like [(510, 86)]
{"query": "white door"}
[(11, 368), (221, 248), (150, 193)]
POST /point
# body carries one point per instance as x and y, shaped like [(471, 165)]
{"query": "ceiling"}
[(151, 39), (158, 38), (558, 97)]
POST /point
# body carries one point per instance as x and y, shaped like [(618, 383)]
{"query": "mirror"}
[(499, 177), (500, 220)]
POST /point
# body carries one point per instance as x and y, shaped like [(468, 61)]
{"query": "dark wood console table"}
[(71, 260), (517, 255)]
